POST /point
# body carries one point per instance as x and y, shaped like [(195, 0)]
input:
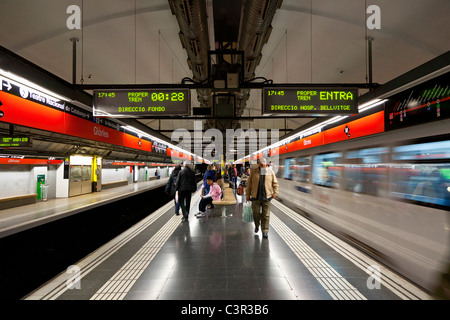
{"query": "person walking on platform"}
[(185, 186), (262, 186), (170, 188), (215, 194), (232, 176)]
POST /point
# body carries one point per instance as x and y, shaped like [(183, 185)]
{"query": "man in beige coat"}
[(262, 186)]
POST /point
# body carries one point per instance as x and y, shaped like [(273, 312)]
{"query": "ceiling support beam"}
[(206, 86)]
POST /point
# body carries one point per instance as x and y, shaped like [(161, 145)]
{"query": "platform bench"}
[(16, 201), (152, 178), (228, 199), (114, 184)]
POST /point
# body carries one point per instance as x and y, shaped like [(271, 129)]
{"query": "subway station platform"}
[(220, 257), (21, 218)]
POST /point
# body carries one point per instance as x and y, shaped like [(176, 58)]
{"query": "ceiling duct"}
[(255, 31), (192, 20)]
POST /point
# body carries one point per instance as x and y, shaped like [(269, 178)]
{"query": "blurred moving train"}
[(380, 179)]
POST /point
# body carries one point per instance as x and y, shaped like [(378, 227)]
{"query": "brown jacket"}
[(270, 182)]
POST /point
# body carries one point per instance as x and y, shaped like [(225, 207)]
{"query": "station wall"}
[(16, 180)]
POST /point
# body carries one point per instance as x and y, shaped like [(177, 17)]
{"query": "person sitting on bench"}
[(219, 181), (215, 194)]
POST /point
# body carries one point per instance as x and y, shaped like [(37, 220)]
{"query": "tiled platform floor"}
[(221, 258)]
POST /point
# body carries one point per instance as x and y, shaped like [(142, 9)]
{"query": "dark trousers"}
[(184, 197), (177, 206), (261, 214), (203, 203), (233, 180)]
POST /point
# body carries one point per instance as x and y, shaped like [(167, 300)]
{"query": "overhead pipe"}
[(192, 20), (255, 31)]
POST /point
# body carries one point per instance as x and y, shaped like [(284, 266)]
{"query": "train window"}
[(424, 183), (303, 169), (289, 169), (327, 169), (422, 151), (366, 171)]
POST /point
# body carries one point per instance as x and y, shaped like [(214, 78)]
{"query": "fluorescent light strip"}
[(371, 104), (101, 113), (19, 81)]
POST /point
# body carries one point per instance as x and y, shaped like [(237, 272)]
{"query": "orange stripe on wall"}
[(30, 114), (43, 162), (365, 126), (368, 125)]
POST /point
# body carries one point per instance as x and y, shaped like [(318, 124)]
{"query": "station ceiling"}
[(139, 42)]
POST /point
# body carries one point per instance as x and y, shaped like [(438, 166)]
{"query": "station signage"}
[(17, 159), (309, 101), (40, 98), (143, 103), (33, 95)]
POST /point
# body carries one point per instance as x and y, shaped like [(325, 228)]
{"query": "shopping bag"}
[(247, 212)]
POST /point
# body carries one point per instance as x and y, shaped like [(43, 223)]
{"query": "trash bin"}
[(44, 192)]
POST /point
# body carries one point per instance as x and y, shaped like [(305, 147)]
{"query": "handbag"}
[(247, 212), (240, 190)]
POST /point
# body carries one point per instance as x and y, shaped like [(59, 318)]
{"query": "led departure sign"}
[(141, 103), (310, 101), (11, 142)]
